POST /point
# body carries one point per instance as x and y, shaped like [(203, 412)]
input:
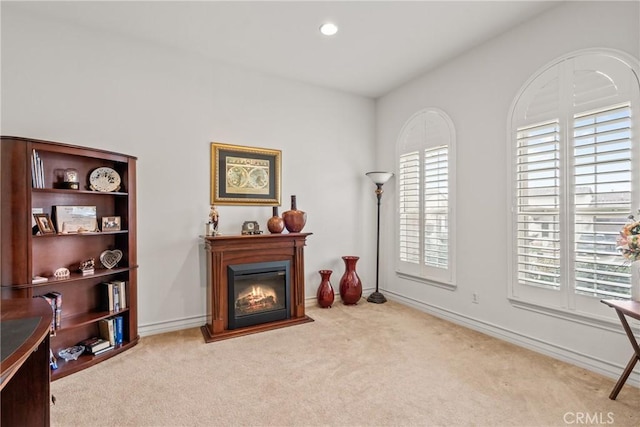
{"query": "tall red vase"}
[(325, 290), (350, 284)]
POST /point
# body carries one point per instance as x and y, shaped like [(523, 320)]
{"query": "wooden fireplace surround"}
[(223, 251)]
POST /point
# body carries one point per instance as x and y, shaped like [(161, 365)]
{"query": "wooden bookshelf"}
[(26, 255)]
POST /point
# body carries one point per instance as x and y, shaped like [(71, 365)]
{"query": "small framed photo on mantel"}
[(110, 223), (245, 175)]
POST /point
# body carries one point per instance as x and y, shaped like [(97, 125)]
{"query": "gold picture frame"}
[(245, 175)]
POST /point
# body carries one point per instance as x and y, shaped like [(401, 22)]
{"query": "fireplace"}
[(255, 283), (258, 293)]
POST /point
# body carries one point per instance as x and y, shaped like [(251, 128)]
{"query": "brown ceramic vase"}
[(275, 225), (350, 284), (294, 220), (325, 294)]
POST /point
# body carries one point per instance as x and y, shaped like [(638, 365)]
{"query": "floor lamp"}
[(379, 178)]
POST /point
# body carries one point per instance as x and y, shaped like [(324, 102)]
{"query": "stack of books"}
[(95, 345), (37, 170), (114, 295), (112, 330), (55, 301)]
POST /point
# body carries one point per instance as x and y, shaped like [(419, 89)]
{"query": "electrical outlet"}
[(476, 298)]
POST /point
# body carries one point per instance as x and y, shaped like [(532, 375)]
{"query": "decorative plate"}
[(104, 179)]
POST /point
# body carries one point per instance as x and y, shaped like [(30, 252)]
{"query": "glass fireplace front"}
[(258, 293)]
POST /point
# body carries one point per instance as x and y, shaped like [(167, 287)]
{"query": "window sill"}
[(427, 281), (611, 325)]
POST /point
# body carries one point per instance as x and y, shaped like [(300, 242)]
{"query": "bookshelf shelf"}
[(83, 319), (88, 234), (25, 255), (72, 366), (91, 192)]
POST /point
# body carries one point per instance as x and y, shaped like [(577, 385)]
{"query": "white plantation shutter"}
[(602, 175), (409, 207), (425, 198), (538, 204), (575, 179), (436, 207)]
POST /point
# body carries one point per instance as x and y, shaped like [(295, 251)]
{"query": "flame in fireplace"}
[(256, 298)]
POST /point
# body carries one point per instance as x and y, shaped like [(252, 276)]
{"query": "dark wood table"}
[(25, 372), (631, 309)]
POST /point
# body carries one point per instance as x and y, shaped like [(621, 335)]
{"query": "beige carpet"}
[(364, 365)]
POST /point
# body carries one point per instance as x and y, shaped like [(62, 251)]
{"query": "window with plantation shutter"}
[(602, 175), (409, 207), (426, 199), (436, 207), (538, 204), (575, 178)]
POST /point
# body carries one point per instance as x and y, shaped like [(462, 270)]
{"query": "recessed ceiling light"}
[(328, 29)]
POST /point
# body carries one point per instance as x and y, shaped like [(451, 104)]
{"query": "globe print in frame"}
[(245, 175)]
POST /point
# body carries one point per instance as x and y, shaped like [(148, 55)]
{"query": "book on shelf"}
[(52, 302), (116, 297), (118, 329), (122, 293), (106, 296), (104, 350), (37, 170), (57, 297), (39, 279), (107, 331), (94, 345), (113, 295)]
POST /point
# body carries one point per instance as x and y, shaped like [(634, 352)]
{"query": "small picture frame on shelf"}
[(110, 223), (44, 224)]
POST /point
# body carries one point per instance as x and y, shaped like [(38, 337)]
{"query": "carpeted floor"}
[(364, 365)]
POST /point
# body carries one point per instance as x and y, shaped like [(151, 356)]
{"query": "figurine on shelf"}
[(88, 266), (212, 225), (61, 273)]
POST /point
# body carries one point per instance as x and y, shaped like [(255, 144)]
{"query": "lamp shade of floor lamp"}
[(379, 178)]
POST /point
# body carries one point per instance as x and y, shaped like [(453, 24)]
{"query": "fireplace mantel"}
[(223, 251)]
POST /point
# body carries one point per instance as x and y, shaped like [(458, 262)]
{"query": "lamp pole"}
[(379, 178)]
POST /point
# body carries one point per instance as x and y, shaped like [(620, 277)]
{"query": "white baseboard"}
[(582, 360), (171, 325)]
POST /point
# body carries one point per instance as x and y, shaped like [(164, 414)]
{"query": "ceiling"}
[(379, 45)]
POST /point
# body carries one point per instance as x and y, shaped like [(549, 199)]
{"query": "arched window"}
[(574, 177), (426, 198)]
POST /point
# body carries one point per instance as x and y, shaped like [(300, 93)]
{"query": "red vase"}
[(350, 284), (275, 225), (294, 220), (325, 290)]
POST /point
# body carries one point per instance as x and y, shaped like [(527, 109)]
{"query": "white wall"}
[(79, 86), (476, 90)]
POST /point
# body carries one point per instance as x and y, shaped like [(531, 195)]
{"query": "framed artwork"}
[(245, 175), (110, 223), (76, 219), (45, 226)]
